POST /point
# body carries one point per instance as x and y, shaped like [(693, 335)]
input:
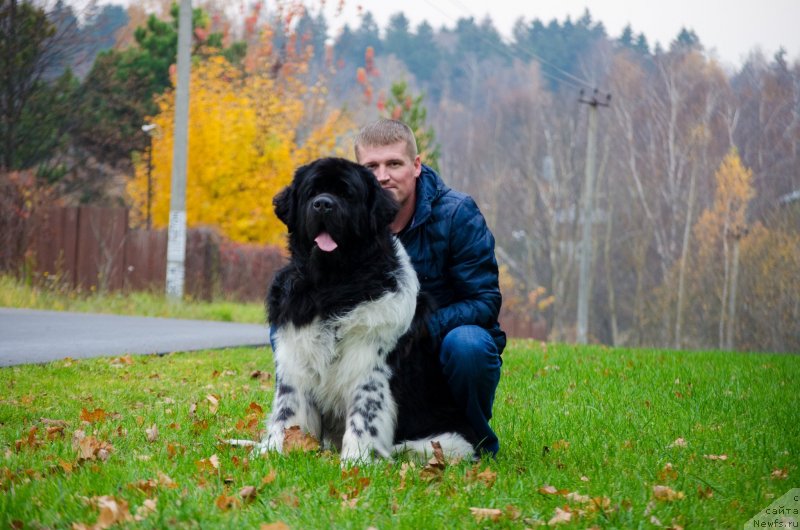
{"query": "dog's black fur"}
[(357, 213)]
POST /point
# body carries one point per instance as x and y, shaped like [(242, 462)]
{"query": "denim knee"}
[(469, 350)]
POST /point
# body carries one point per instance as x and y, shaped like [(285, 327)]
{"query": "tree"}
[(25, 55), (243, 148), (718, 233), (402, 106)]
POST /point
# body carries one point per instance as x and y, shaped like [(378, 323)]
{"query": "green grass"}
[(589, 420), (16, 294)]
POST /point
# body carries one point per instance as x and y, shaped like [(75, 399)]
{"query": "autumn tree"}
[(247, 133), (717, 234), (401, 105)]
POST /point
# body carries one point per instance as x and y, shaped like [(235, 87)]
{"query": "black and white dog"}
[(354, 365)]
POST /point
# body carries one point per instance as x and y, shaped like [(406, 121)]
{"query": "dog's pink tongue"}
[(325, 242)]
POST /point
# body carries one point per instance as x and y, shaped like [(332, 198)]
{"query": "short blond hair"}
[(387, 132)]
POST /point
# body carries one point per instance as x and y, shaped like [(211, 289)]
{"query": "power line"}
[(565, 78)]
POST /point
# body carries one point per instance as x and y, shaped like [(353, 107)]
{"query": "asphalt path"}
[(30, 336)]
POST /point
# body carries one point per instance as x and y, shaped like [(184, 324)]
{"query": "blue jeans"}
[(471, 363)]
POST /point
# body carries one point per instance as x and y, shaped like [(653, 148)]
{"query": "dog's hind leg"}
[(371, 416)]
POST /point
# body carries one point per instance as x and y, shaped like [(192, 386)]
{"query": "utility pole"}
[(176, 232), (587, 215)]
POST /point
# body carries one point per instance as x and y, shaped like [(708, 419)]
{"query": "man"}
[(452, 251)]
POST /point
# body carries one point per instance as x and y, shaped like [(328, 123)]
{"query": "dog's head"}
[(334, 207)]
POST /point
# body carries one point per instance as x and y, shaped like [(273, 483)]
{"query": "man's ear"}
[(283, 203)]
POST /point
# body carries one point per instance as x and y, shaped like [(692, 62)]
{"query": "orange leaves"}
[(297, 440), (248, 131), (90, 448), (666, 494), (96, 416)]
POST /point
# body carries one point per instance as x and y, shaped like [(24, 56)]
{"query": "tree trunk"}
[(732, 298), (687, 230)]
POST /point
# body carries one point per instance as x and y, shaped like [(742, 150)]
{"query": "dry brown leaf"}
[(270, 478), (148, 507), (112, 511), (145, 486), (225, 503), (295, 439), (487, 476), (704, 493), (780, 474), (482, 514), (547, 489), (213, 403), (679, 442), (152, 433), (574, 496), (96, 416), (667, 473), (166, 481), (90, 448), (560, 445), (274, 526), (248, 493), (716, 457), (208, 464), (255, 407), (561, 516), (665, 493)]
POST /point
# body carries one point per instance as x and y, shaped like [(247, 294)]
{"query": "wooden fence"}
[(92, 248)]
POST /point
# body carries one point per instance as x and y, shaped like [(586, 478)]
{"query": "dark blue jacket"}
[(452, 251)]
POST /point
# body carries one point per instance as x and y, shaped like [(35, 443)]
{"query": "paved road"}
[(29, 336)]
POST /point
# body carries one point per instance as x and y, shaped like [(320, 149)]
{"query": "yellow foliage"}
[(243, 148), (728, 214)]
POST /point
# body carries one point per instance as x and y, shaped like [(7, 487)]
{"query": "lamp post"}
[(149, 129)]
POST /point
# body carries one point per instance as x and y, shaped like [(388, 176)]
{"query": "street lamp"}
[(150, 129)]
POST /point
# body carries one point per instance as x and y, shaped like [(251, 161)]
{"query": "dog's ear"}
[(283, 203), (383, 208)]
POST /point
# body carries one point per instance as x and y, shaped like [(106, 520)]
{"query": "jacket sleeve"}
[(472, 268)]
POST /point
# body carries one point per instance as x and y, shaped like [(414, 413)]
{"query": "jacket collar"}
[(429, 188)]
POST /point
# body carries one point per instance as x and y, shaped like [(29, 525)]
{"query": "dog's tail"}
[(454, 446)]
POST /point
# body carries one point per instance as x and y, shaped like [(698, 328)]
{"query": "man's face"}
[(394, 169)]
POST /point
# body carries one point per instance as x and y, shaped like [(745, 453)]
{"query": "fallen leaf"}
[(667, 473), (148, 507), (270, 478), (716, 457), (213, 403), (547, 489), (274, 526), (296, 440), (152, 433), (574, 496), (561, 445), (208, 464), (665, 493), (584, 478), (248, 493), (112, 511), (704, 493), (166, 481), (90, 448), (680, 442), (487, 476), (255, 407), (225, 503), (96, 416), (780, 474), (561, 516), (482, 514)]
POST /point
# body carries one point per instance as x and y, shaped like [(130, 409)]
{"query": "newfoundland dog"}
[(354, 364)]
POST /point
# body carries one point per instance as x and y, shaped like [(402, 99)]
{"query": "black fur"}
[(321, 284)]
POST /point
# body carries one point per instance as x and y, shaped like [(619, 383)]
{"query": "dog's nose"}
[(322, 204)]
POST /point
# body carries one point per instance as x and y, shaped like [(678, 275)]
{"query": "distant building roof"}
[(790, 197)]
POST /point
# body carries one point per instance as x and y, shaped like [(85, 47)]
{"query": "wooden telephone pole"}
[(587, 215)]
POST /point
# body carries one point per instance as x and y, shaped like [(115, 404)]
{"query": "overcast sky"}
[(731, 27)]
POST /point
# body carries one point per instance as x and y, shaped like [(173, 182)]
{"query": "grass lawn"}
[(16, 294), (611, 438)]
